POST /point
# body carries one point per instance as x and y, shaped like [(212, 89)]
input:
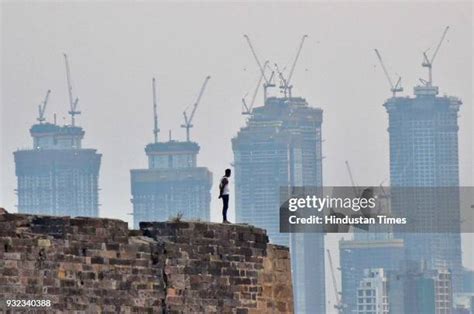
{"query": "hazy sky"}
[(116, 48)]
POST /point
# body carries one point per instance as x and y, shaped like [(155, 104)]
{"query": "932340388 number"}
[(28, 303)]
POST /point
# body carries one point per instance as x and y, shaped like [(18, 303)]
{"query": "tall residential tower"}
[(173, 184), (57, 176), (423, 133), (281, 147)]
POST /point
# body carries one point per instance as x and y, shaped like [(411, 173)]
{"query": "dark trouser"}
[(225, 206)]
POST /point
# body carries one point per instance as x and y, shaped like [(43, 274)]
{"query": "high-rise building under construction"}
[(57, 176), (424, 155), (423, 133), (173, 184), (281, 147)]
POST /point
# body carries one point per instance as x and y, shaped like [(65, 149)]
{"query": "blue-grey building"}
[(57, 176), (173, 184), (423, 133), (280, 147), (468, 280), (416, 289), (358, 255)]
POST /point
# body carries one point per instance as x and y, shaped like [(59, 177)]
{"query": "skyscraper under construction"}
[(423, 132), (57, 176), (280, 147), (173, 184)]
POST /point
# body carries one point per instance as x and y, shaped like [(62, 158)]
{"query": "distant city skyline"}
[(116, 48)]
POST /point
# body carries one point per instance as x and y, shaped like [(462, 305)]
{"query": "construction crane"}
[(247, 109), (283, 81), (428, 63), (72, 102), (354, 188), (156, 130), (393, 88), (339, 306), (268, 81), (286, 83), (383, 196), (188, 120), (42, 108)]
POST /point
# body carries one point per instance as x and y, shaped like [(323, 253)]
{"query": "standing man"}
[(224, 194)]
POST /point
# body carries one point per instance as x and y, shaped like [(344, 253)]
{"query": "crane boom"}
[(290, 75), (439, 44), (356, 193), (393, 88), (428, 63), (155, 113), (42, 107), (72, 102), (338, 304), (69, 84), (285, 82), (256, 88), (262, 69), (248, 109), (384, 68), (268, 81), (203, 87), (188, 121)]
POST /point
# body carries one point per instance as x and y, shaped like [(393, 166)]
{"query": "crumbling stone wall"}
[(98, 265), (277, 294)]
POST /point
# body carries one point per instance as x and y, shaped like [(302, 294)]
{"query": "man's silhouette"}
[(224, 191)]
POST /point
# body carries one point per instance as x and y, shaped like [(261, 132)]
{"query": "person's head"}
[(228, 172)]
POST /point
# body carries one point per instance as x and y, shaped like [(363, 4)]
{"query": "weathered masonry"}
[(98, 265)]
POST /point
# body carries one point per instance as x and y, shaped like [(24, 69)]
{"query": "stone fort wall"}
[(98, 265)]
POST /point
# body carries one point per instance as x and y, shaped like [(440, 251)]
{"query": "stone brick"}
[(98, 265)]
